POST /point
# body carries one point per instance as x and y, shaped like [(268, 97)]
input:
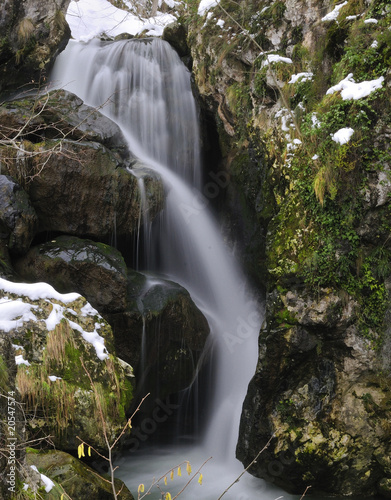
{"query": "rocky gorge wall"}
[(284, 80)]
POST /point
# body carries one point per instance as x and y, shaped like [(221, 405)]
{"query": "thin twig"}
[(191, 479), (246, 469), (303, 495)]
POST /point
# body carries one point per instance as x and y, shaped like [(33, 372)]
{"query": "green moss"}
[(4, 378)]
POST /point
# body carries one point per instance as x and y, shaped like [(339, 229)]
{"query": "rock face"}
[(315, 216), (32, 33), (320, 391)]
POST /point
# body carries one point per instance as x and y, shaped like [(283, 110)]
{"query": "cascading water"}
[(146, 89)]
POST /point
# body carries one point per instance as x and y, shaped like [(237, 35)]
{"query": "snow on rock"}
[(93, 338), (371, 21), (14, 312), (333, 15), (47, 481), (36, 291), (206, 5), (343, 135), (273, 58), (352, 90), (19, 360), (90, 18), (303, 77)]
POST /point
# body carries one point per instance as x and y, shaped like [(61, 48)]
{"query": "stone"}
[(168, 334), (95, 270), (175, 33), (76, 478), (76, 185), (18, 219), (32, 33)]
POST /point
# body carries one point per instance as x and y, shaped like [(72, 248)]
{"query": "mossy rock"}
[(74, 477), (66, 376)]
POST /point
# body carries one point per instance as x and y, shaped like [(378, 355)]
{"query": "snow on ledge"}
[(35, 291), (352, 90), (15, 312), (272, 58), (343, 135), (333, 15), (47, 481)]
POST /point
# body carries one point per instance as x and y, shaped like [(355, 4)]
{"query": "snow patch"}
[(93, 338), (352, 90), (47, 481), (206, 5), (13, 313), (343, 135), (90, 18), (303, 77), (333, 15), (19, 360), (35, 291), (273, 58)]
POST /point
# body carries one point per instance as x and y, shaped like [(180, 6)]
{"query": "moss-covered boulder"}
[(321, 394), (72, 477), (76, 185), (67, 378)]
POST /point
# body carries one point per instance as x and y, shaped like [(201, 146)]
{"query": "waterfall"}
[(147, 90)]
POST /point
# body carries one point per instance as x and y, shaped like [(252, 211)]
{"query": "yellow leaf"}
[(79, 451), (200, 479), (130, 424), (172, 475), (62, 497), (140, 488), (168, 496), (165, 480), (179, 472), (188, 468), (82, 449), (89, 451)]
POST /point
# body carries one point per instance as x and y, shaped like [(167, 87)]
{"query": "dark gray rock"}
[(32, 33), (18, 219), (95, 270)]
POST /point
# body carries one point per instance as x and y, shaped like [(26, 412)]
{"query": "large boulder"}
[(168, 334), (320, 394), (157, 327), (76, 185)]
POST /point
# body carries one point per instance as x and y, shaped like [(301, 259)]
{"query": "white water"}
[(147, 92)]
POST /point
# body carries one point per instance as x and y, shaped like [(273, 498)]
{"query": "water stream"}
[(146, 90)]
